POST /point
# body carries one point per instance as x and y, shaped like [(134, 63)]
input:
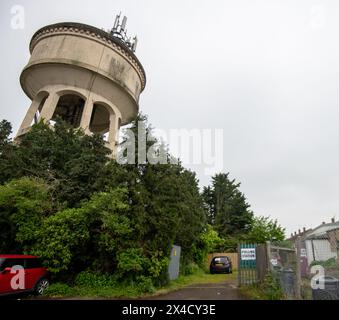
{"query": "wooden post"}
[(268, 256), (239, 269), (298, 268)]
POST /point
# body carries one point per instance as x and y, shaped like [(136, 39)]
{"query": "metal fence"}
[(319, 256), (284, 268), (247, 264), (307, 268), (257, 260)]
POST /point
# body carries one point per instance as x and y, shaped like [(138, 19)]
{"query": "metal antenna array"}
[(119, 31)]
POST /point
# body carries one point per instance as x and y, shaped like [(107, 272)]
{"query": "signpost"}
[(248, 254)]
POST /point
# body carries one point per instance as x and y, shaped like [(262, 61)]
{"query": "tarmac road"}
[(215, 291)]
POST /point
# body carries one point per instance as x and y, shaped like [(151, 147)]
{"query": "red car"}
[(22, 273)]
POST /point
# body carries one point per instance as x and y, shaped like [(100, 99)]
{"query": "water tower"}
[(88, 77)]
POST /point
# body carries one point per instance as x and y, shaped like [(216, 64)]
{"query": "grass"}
[(59, 290), (268, 289), (253, 292), (200, 277)]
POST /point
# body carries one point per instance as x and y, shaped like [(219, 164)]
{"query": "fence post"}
[(298, 268), (239, 269), (268, 255)]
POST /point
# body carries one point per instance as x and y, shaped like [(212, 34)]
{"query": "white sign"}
[(248, 254), (303, 252)]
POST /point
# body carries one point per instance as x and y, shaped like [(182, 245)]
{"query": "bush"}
[(95, 280), (271, 288), (131, 261), (326, 264), (145, 285), (190, 268), (58, 290)]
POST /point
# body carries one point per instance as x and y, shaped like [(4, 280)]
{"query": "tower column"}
[(26, 123), (49, 106), (113, 130), (87, 115)]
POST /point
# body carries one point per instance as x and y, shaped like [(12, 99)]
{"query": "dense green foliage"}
[(268, 289), (229, 213), (329, 263), (93, 220), (265, 229), (65, 200), (227, 208)]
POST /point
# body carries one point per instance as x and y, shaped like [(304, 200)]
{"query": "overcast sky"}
[(266, 72)]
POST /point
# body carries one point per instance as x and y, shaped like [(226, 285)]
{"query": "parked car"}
[(35, 277), (221, 265)]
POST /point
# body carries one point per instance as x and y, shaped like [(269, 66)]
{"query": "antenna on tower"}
[(116, 22), (119, 31), (123, 24), (135, 43)]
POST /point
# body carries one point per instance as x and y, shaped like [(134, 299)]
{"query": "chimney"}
[(295, 233), (299, 232), (292, 235), (332, 220), (324, 222), (304, 229)]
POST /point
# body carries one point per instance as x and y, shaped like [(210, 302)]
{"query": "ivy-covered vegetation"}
[(91, 219)]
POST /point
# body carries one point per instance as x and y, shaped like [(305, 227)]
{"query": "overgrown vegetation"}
[(268, 289), (106, 286), (97, 223), (329, 263)]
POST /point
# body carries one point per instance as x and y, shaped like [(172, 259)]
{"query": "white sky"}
[(266, 72)]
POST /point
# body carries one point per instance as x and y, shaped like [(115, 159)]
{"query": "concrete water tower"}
[(89, 77)]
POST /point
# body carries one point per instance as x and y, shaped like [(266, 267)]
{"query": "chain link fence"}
[(319, 256), (284, 268), (307, 267)]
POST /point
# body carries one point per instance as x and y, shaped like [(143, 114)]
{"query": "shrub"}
[(326, 264), (190, 268), (131, 260), (95, 280), (145, 285), (58, 290), (271, 288)]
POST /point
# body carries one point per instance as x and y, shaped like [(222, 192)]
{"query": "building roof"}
[(320, 232), (317, 237)]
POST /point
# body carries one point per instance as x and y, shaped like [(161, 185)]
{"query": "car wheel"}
[(41, 286)]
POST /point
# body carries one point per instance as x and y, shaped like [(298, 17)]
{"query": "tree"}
[(226, 207), (87, 237), (265, 229), (5, 131), (165, 203), (66, 201), (65, 158), (23, 205), (6, 152), (209, 241)]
